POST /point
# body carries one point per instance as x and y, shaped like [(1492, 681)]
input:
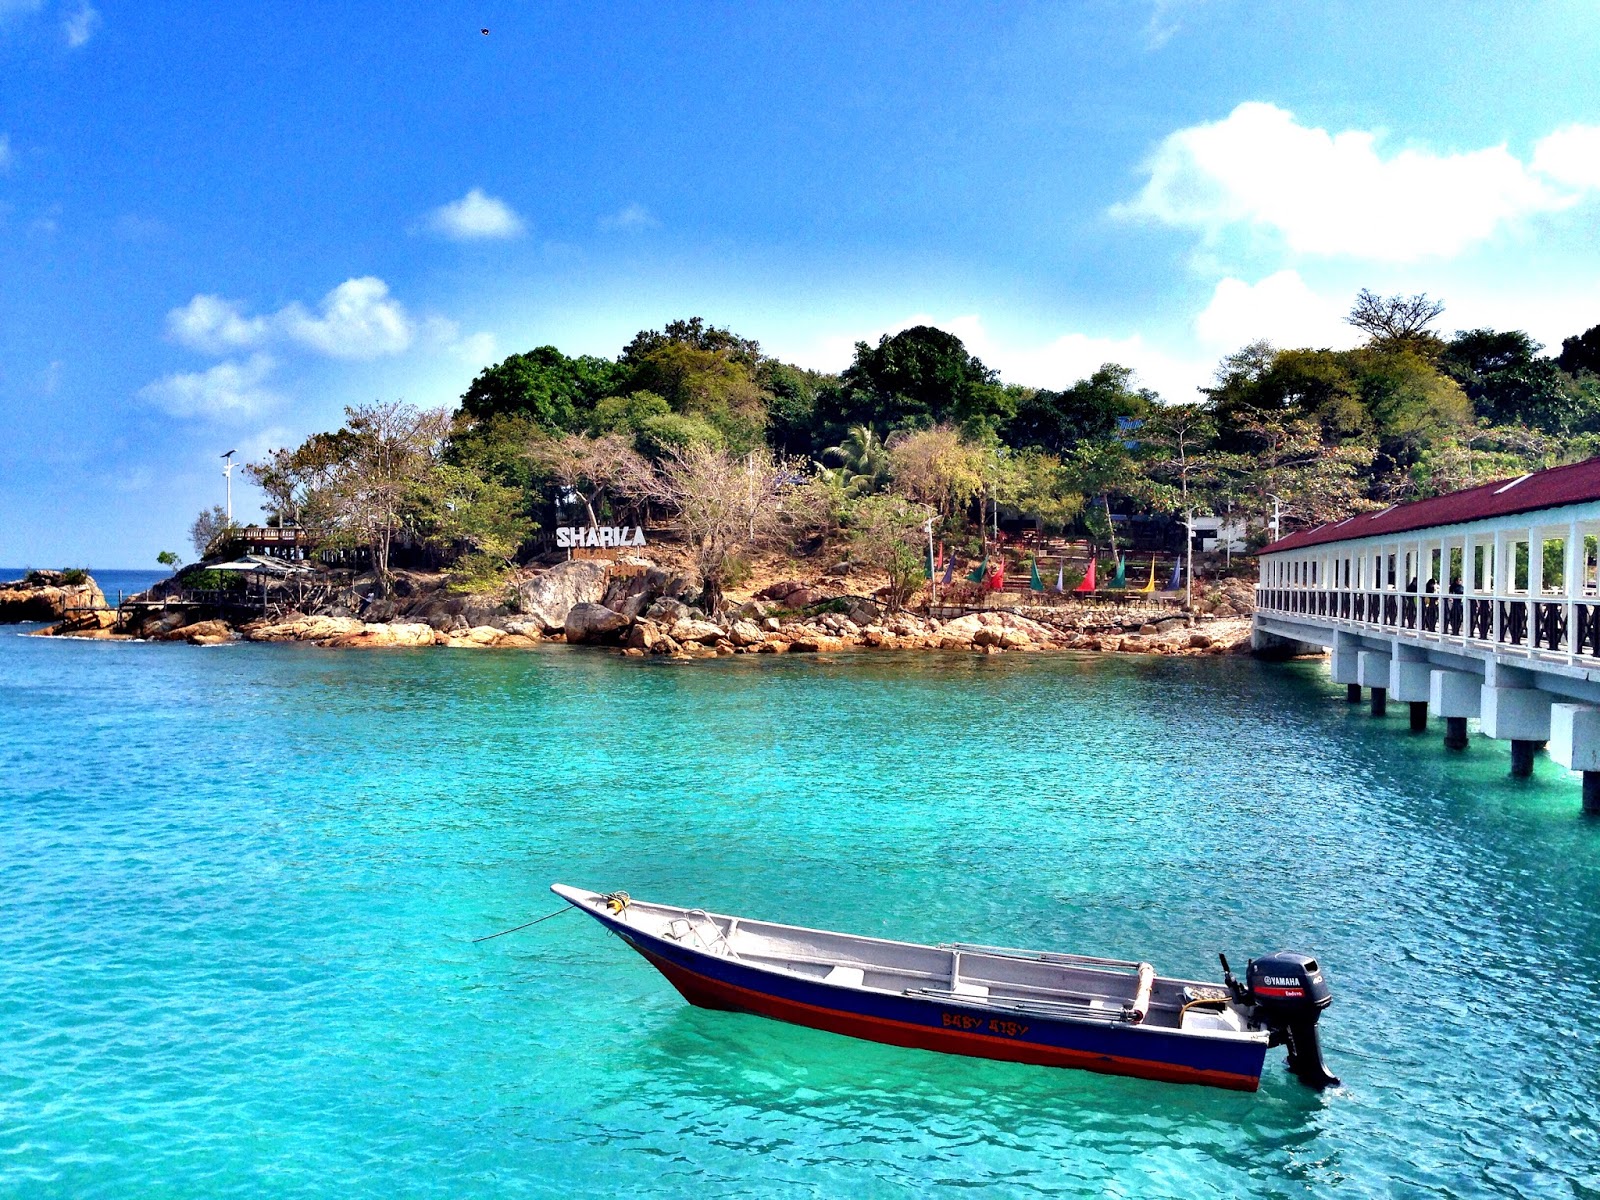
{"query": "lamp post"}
[(933, 570), (227, 473), (1277, 514)]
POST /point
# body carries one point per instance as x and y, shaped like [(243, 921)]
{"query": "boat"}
[(1063, 1010)]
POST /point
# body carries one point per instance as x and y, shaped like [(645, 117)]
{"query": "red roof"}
[(1574, 484)]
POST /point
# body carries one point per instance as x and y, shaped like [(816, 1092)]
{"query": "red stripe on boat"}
[(704, 992)]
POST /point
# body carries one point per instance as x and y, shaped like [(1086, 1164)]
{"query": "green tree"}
[(1581, 352), (917, 378), (1091, 409), (554, 391), (889, 532), (863, 462), (168, 558), (211, 531)]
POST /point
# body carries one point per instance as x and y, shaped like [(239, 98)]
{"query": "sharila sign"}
[(572, 537)]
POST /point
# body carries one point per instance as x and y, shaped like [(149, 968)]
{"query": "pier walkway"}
[(1482, 604)]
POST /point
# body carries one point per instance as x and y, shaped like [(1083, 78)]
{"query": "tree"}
[(393, 451), (863, 461), (889, 532), (1291, 464), (694, 334), (592, 468), (1581, 352), (481, 522), (1392, 321), (555, 391), (168, 558), (1093, 408), (717, 387), (1174, 443), (1099, 468), (936, 467), (1035, 484), (729, 504), (211, 530), (919, 377)]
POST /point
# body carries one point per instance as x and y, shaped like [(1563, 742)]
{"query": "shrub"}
[(73, 576)]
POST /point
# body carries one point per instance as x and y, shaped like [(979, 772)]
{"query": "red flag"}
[(1088, 579), (997, 577)]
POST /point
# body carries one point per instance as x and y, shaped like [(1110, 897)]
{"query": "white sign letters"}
[(572, 537)]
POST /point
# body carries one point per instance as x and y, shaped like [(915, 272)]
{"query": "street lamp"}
[(227, 473), (1277, 514)]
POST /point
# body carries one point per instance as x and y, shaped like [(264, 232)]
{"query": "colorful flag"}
[(1120, 579), (1061, 577), (1035, 584), (1150, 584), (1176, 581), (980, 572), (997, 579), (1088, 584), (949, 570)]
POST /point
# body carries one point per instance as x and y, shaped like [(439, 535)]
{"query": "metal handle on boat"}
[(1046, 956)]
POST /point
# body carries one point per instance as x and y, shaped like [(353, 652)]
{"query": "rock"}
[(531, 630), (549, 596), (304, 629), (687, 629), (633, 652), (1134, 645), (778, 591), (746, 633), (444, 611), (816, 643), (841, 569), (772, 625), (667, 610), (207, 633), (1199, 641), (803, 598), (643, 636), (751, 610), (400, 635), (1011, 639), (45, 596), (593, 623)]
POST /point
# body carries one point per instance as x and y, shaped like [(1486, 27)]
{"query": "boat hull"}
[(946, 1025)]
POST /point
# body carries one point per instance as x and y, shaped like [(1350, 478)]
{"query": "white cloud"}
[(1571, 156), (476, 349), (230, 388), (1280, 308), (631, 219), (475, 217), (1335, 194), (81, 26), (359, 319), (215, 325)]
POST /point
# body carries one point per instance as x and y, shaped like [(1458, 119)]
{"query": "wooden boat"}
[(1064, 1010)]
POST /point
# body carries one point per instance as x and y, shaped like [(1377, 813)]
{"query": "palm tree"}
[(863, 461)]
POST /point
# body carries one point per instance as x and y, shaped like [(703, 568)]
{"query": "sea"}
[(241, 888)]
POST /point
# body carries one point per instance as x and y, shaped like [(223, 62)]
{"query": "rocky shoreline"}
[(637, 609)]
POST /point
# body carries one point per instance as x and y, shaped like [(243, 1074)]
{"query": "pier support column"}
[(1372, 671), (1455, 696), (1410, 680), (1517, 714), (1344, 665), (1522, 758), (1575, 744)]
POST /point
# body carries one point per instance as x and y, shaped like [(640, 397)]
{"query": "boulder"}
[(645, 635), (746, 633), (207, 633), (687, 629), (303, 629), (46, 596), (549, 596), (400, 635), (667, 610), (803, 598), (816, 643), (593, 623)]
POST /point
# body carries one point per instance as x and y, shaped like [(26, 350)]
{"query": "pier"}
[(1481, 604)]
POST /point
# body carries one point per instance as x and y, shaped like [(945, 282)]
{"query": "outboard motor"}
[(1289, 995)]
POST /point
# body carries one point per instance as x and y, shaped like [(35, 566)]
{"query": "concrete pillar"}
[(1419, 715), (1352, 693), (1575, 744), (1343, 664), (1410, 682), (1520, 715), (1455, 696), (1372, 670)]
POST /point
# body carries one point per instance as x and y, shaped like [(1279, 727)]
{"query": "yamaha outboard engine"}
[(1289, 995)]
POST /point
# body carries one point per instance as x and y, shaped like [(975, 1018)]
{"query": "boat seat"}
[(846, 976), (977, 991)]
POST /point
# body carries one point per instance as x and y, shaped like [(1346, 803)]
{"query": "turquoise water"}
[(240, 886)]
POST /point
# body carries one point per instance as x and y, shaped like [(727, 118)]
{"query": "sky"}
[(221, 224)]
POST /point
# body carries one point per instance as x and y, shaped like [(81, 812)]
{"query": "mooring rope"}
[(491, 936)]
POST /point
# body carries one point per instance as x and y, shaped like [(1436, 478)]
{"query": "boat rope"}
[(491, 936)]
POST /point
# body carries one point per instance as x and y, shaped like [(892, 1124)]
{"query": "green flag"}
[(1035, 584), (980, 572), (1120, 580)]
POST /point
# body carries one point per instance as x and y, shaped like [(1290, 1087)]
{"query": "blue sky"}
[(220, 224)]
